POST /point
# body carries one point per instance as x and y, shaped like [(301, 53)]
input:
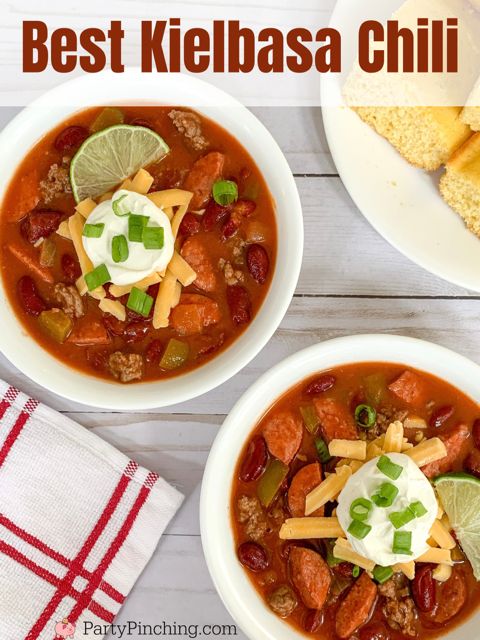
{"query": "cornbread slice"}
[(471, 117), (425, 136), (460, 184)]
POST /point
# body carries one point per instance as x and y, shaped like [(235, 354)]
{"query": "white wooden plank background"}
[(352, 281)]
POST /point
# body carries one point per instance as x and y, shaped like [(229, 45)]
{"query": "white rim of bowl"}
[(183, 387), (248, 610)]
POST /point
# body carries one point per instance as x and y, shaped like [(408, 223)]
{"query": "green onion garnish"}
[(389, 468), (135, 227), (93, 230), (402, 542), (359, 529), (140, 302), (386, 495), (400, 518), (360, 509), (356, 571), (322, 450), (225, 192), (332, 561), (97, 277), (418, 509), (119, 248), (365, 416), (153, 237), (382, 574), (116, 206)]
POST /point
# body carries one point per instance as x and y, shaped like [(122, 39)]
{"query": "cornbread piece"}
[(460, 184), (425, 136), (471, 117)]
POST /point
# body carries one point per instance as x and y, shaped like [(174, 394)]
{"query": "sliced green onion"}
[(97, 277), (389, 468), (356, 571), (418, 509), (332, 561), (382, 574), (225, 192), (119, 248), (116, 206), (310, 418), (402, 542), (359, 529), (136, 225), (322, 450), (93, 230), (365, 416), (400, 518), (360, 509), (140, 302), (153, 237), (386, 495)]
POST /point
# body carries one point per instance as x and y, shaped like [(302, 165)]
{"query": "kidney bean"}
[(71, 138), (320, 385), (214, 214), (153, 291), (230, 228), (154, 351), (472, 463), (374, 631), (141, 122), (344, 569), (40, 224), (440, 416), (98, 359), (29, 297), (135, 331), (190, 225), (255, 460), (424, 589), (476, 433), (113, 325), (132, 316), (258, 263), (239, 303), (253, 556), (313, 620), (71, 268)]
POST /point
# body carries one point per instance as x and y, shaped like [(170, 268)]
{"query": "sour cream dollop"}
[(413, 486), (141, 262)]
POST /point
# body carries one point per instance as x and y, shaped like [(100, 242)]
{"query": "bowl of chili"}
[(212, 283), (272, 530)]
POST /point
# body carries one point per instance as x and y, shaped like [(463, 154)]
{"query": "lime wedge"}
[(110, 156), (460, 497)]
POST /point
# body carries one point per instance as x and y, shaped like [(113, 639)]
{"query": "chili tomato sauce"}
[(170, 172), (256, 537)]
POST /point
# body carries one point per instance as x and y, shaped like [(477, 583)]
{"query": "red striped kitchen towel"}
[(78, 523)]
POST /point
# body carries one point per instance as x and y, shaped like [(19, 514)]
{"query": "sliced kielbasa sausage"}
[(204, 173), (303, 482), (283, 435), (197, 256), (451, 597), (454, 441), (310, 575), (335, 420), (409, 387), (356, 607)]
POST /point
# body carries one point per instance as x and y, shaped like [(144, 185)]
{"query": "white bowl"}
[(230, 578), (54, 107)]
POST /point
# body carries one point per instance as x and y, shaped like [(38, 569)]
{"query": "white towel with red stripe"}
[(78, 523)]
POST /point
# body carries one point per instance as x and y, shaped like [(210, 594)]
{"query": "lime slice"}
[(460, 497), (110, 156)]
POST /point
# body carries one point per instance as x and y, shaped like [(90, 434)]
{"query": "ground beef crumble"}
[(69, 299), (56, 182), (232, 276), (250, 513), (126, 366), (399, 609), (190, 125)]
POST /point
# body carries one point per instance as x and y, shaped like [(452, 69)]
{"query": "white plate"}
[(402, 203)]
